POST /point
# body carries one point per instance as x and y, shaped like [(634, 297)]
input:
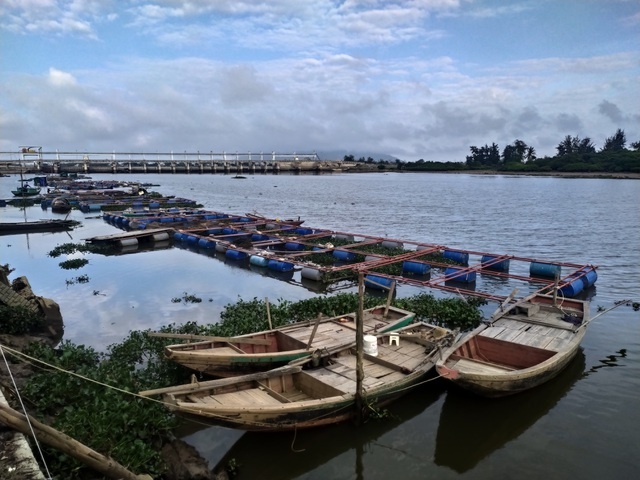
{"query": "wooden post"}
[(389, 297), (359, 349), (266, 300)]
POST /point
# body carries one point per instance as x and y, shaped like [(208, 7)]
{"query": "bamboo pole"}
[(359, 349), (60, 441), (389, 297), (266, 301)]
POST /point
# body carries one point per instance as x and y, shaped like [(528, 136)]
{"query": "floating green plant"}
[(74, 263)]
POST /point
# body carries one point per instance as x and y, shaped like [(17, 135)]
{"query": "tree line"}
[(573, 154)]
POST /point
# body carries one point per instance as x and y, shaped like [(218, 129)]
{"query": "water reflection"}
[(472, 428), (292, 454)]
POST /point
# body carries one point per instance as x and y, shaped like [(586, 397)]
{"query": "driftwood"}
[(60, 441)]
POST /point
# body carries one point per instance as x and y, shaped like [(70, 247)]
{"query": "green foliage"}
[(18, 320), (74, 263)]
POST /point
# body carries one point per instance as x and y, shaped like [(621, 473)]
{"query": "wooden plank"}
[(475, 366), (187, 336)]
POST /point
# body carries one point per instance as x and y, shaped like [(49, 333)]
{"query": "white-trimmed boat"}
[(321, 392), (525, 345), (269, 349)]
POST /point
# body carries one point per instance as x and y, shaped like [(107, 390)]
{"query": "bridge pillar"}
[(130, 169), (173, 167), (188, 167), (144, 167)]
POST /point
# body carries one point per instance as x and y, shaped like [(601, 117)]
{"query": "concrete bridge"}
[(33, 160)]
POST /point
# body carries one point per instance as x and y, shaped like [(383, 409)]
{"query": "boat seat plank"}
[(246, 398), (475, 366)]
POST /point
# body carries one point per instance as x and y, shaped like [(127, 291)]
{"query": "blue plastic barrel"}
[(214, 231), (460, 257), (235, 254), (229, 231), (344, 255), (179, 236), (258, 261), (542, 269), (501, 266), (280, 266), (574, 287), (304, 231), (294, 246), (207, 243), (377, 282), (191, 239), (154, 204), (590, 277), (417, 268), (458, 275), (259, 237)]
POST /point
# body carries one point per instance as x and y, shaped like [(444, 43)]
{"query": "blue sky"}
[(413, 79)]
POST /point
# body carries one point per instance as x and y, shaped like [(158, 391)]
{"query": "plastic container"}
[(295, 246), (590, 277), (160, 237), (258, 261), (501, 266), (179, 236), (370, 346), (191, 239), (460, 257), (542, 269), (390, 244), (417, 268), (347, 238), (377, 282), (312, 274), (207, 243), (235, 254), (280, 266), (344, 255), (458, 275), (573, 288)]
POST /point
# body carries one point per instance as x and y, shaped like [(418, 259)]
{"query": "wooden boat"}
[(25, 190), (54, 225), (524, 346), (273, 348), (293, 397)]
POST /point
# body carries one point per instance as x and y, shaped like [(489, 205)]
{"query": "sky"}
[(415, 79)]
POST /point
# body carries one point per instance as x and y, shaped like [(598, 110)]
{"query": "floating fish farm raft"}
[(332, 260)]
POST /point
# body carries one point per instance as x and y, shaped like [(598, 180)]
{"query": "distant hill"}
[(340, 154)]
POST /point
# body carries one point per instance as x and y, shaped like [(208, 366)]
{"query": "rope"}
[(24, 409)]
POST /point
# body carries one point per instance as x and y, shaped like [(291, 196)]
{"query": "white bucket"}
[(370, 345)]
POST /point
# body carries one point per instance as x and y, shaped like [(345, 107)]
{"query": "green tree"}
[(486, 156), (616, 142), (575, 145)]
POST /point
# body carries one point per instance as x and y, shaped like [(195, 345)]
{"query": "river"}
[(584, 424)]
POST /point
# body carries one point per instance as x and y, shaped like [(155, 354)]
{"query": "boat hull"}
[(322, 393), (281, 346), (519, 350)]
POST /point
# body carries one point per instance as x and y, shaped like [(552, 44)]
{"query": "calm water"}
[(585, 424)]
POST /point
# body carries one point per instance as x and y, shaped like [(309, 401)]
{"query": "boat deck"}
[(386, 368), (522, 332)]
